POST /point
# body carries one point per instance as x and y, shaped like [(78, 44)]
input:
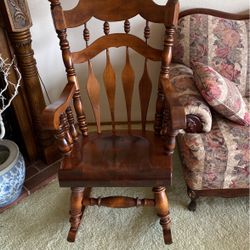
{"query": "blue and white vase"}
[(12, 172)]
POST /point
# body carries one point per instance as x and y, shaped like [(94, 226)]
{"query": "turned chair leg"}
[(162, 208), (193, 196), (75, 212)]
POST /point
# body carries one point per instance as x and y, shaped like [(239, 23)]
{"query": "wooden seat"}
[(115, 158), (107, 160)]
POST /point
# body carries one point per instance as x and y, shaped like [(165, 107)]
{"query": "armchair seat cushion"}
[(218, 159)]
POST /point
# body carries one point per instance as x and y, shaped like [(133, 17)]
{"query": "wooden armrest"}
[(177, 111), (50, 117)]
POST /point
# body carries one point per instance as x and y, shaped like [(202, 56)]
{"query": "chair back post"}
[(170, 22), (61, 27)]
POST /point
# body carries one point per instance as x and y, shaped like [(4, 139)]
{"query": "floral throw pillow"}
[(221, 94)]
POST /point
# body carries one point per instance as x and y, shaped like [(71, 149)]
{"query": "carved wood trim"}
[(116, 40), (18, 15), (216, 13), (194, 124), (105, 11)]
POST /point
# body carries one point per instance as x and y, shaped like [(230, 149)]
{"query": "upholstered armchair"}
[(211, 77)]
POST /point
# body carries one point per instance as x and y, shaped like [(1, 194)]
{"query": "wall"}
[(48, 56)]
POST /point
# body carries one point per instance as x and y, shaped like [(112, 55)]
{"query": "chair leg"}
[(75, 212), (162, 208), (193, 196)]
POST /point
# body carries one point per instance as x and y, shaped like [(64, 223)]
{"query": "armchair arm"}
[(198, 114), (51, 114)]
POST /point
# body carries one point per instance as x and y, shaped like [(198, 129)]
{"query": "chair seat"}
[(134, 159)]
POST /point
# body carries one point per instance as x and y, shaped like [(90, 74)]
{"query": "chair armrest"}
[(197, 111), (51, 114), (175, 108)]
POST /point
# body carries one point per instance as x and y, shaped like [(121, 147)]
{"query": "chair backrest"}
[(112, 11), (218, 39)]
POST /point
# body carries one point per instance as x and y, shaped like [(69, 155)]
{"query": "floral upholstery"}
[(218, 158), (183, 81), (220, 93), (220, 43)]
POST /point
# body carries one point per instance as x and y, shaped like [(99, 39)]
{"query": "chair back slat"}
[(110, 10), (145, 90), (145, 84), (109, 80), (128, 79), (93, 89), (116, 10)]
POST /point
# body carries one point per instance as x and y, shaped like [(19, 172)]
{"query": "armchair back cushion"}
[(220, 43), (221, 94)]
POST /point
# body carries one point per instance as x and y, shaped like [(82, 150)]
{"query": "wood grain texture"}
[(124, 159), (93, 89), (145, 90), (128, 79), (109, 79), (51, 114), (114, 11), (216, 13), (116, 40), (118, 202)]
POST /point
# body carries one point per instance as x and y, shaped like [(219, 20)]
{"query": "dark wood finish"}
[(109, 79), (145, 90), (93, 88), (107, 11), (115, 158), (118, 165), (28, 105), (118, 202), (161, 205), (214, 13), (71, 121), (145, 84), (116, 40), (75, 211), (226, 193)]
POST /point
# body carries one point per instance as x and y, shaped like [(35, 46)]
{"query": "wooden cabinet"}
[(15, 39)]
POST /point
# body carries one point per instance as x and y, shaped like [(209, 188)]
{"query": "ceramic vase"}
[(12, 172)]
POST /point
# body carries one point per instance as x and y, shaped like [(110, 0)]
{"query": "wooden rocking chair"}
[(129, 158)]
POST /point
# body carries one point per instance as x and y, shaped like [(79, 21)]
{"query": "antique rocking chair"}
[(129, 158)]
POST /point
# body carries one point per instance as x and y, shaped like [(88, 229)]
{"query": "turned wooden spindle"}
[(62, 143), (127, 26), (86, 35), (66, 129), (71, 121), (147, 32), (159, 110), (165, 68), (106, 28), (71, 74), (118, 202), (75, 212), (162, 208)]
